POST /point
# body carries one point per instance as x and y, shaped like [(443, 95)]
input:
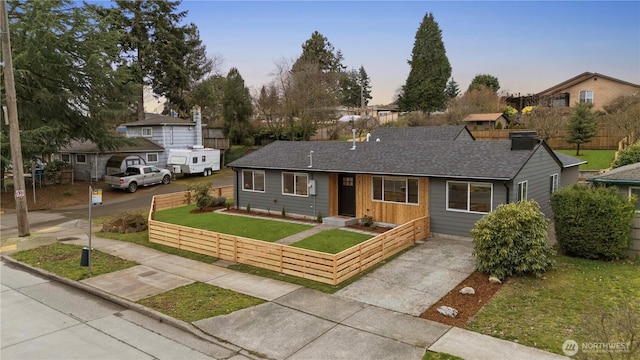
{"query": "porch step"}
[(339, 221)]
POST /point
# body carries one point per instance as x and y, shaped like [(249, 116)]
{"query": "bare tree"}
[(549, 122), (624, 114), (478, 100)]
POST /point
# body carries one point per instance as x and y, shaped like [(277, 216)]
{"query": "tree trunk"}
[(578, 150)]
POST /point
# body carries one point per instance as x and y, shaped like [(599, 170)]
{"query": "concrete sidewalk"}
[(296, 322)]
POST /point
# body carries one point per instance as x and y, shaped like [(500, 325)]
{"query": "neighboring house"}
[(421, 133), (486, 121), (454, 182), (89, 163), (587, 87), (627, 180)]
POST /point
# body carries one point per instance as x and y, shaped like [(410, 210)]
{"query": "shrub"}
[(630, 155), (512, 240), (219, 201), (319, 217), (202, 197), (126, 222), (284, 212), (592, 222), (367, 221), (248, 208)]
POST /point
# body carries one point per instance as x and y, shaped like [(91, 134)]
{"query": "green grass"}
[(249, 227), (332, 241), (545, 312), (198, 301), (142, 238), (597, 159), (429, 355), (64, 260)]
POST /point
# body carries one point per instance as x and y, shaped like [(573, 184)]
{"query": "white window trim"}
[(526, 190), (65, 157), (585, 91), (78, 160), (295, 175), (469, 183), (150, 161), (406, 197), (253, 175), (630, 193), (146, 128), (555, 181)]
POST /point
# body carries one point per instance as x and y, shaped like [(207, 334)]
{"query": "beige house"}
[(587, 87), (485, 121)]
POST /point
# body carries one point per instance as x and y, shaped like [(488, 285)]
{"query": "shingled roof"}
[(624, 175), (419, 133), (133, 145), (578, 79), (568, 161), (453, 159), (158, 119)]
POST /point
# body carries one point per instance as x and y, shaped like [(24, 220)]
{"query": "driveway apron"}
[(417, 279)]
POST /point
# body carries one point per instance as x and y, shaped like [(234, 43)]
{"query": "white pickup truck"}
[(138, 175)]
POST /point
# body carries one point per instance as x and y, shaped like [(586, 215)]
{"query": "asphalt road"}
[(44, 319), (141, 199)]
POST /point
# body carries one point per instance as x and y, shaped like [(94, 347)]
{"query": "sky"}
[(528, 46)]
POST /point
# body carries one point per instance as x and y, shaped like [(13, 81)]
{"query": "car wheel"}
[(166, 179), (133, 187)]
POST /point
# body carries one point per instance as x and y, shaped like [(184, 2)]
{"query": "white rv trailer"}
[(197, 160)]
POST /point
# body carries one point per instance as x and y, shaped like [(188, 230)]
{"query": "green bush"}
[(512, 240), (592, 222), (202, 197), (630, 155)]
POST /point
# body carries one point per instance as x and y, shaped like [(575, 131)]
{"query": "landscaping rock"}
[(467, 290), (494, 280), (448, 311)]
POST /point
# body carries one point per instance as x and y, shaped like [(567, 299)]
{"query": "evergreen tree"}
[(236, 108), (159, 51), (424, 89), (318, 50), (355, 88), (208, 95), (485, 80), (452, 90), (582, 127)]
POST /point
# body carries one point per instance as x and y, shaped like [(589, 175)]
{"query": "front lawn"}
[(64, 260), (332, 241), (545, 312), (198, 301), (249, 227), (597, 159)]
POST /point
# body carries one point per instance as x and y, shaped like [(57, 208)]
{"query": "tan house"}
[(485, 121), (587, 87)]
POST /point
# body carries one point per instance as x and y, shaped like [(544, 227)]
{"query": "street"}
[(44, 319)]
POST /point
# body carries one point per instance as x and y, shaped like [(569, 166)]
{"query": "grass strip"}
[(332, 241), (544, 312), (249, 227), (597, 159), (198, 301), (64, 260)]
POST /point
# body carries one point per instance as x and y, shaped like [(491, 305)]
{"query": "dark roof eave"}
[(614, 181)]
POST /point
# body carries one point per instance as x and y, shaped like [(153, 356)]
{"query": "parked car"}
[(138, 175)]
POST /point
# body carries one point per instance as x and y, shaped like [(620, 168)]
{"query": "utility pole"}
[(20, 194)]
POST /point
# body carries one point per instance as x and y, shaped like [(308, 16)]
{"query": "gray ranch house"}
[(454, 182)]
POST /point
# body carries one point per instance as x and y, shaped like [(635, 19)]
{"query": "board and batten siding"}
[(457, 223), (537, 172), (273, 200), (390, 212)]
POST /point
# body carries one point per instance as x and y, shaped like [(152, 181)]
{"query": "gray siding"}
[(456, 222), (169, 137), (537, 172), (273, 200), (569, 176)]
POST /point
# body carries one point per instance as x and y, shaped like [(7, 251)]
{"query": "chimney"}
[(197, 118), (523, 140)]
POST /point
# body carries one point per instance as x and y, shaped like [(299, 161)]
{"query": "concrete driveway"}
[(417, 279)]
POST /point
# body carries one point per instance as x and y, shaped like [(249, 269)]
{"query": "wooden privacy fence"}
[(606, 138), (168, 201), (322, 267)]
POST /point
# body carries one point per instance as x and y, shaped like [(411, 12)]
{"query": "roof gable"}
[(132, 145), (579, 79), (484, 117)]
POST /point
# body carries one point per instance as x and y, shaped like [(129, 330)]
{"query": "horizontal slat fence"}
[(168, 201), (308, 264)]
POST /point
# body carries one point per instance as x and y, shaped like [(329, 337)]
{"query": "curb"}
[(160, 317)]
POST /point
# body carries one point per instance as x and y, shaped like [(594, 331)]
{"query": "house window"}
[(152, 157), (195, 160), (81, 158), (66, 158), (586, 96), (395, 189), (522, 191), (469, 196), (253, 180), (295, 184), (147, 132), (553, 183), (635, 191)]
